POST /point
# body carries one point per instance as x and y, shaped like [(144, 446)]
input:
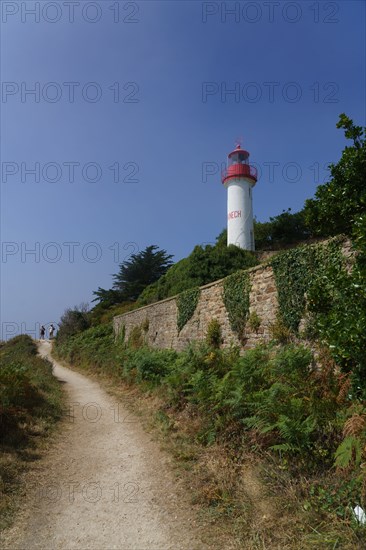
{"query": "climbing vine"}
[(236, 299), (315, 282), (306, 276), (186, 303), (122, 334)]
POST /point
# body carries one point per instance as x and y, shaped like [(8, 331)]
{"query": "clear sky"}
[(135, 106)]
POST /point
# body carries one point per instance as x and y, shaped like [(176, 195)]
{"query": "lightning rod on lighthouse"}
[(239, 178)]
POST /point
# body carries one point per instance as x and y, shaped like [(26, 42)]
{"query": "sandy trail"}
[(103, 485)]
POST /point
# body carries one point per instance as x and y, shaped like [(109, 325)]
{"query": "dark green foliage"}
[(211, 263), (147, 365), (95, 347), (293, 407), (301, 269), (196, 375), (236, 290), (292, 280), (279, 331), (176, 280), (141, 270), (108, 297), (281, 231), (214, 336), (254, 321), (337, 302), (315, 278), (204, 265), (73, 321), (341, 201), (186, 304), (103, 313)]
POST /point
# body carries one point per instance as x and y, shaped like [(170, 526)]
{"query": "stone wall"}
[(162, 329)]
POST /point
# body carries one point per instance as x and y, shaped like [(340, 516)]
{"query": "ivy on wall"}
[(186, 304), (122, 333), (306, 273), (236, 290), (317, 279)]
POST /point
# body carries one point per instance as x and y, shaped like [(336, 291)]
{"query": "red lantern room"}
[(238, 166)]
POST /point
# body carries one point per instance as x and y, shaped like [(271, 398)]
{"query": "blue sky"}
[(143, 89)]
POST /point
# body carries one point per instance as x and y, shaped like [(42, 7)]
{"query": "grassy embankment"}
[(30, 403), (254, 437)]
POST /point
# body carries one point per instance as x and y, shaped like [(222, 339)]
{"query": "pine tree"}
[(141, 270)]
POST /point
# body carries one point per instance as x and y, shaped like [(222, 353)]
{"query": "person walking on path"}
[(42, 332), (51, 331)]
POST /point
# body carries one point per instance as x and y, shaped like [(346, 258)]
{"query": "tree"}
[(341, 201), (204, 265), (73, 321), (281, 230), (107, 297), (288, 228), (209, 263), (141, 270)]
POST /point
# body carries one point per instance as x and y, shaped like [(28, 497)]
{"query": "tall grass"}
[(30, 403)]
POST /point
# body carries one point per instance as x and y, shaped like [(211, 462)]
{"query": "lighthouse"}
[(239, 178)]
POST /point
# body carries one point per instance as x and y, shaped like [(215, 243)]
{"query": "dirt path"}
[(103, 485)]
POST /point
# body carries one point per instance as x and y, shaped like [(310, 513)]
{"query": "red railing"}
[(239, 170)]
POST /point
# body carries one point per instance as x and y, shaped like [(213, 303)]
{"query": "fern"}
[(355, 425), (285, 448), (349, 451)]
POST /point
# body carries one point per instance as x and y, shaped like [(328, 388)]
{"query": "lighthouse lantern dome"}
[(238, 156)]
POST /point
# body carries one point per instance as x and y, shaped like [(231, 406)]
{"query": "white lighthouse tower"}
[(239, 178)]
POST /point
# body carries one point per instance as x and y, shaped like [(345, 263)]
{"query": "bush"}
[(95, 347), (254, 321), (73, 321), (213, 336), (147, 365), (28, 390), (274, 394), (204, 265)]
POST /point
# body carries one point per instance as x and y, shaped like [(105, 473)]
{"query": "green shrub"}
[(16, 389), (148, 365), (204, 265), (254, 321), (213, 336), (280, 332), (95, 347), (273, 394)]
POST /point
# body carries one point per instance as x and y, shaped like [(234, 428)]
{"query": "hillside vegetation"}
[(30, 404), (296, 407), (273, 407)]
